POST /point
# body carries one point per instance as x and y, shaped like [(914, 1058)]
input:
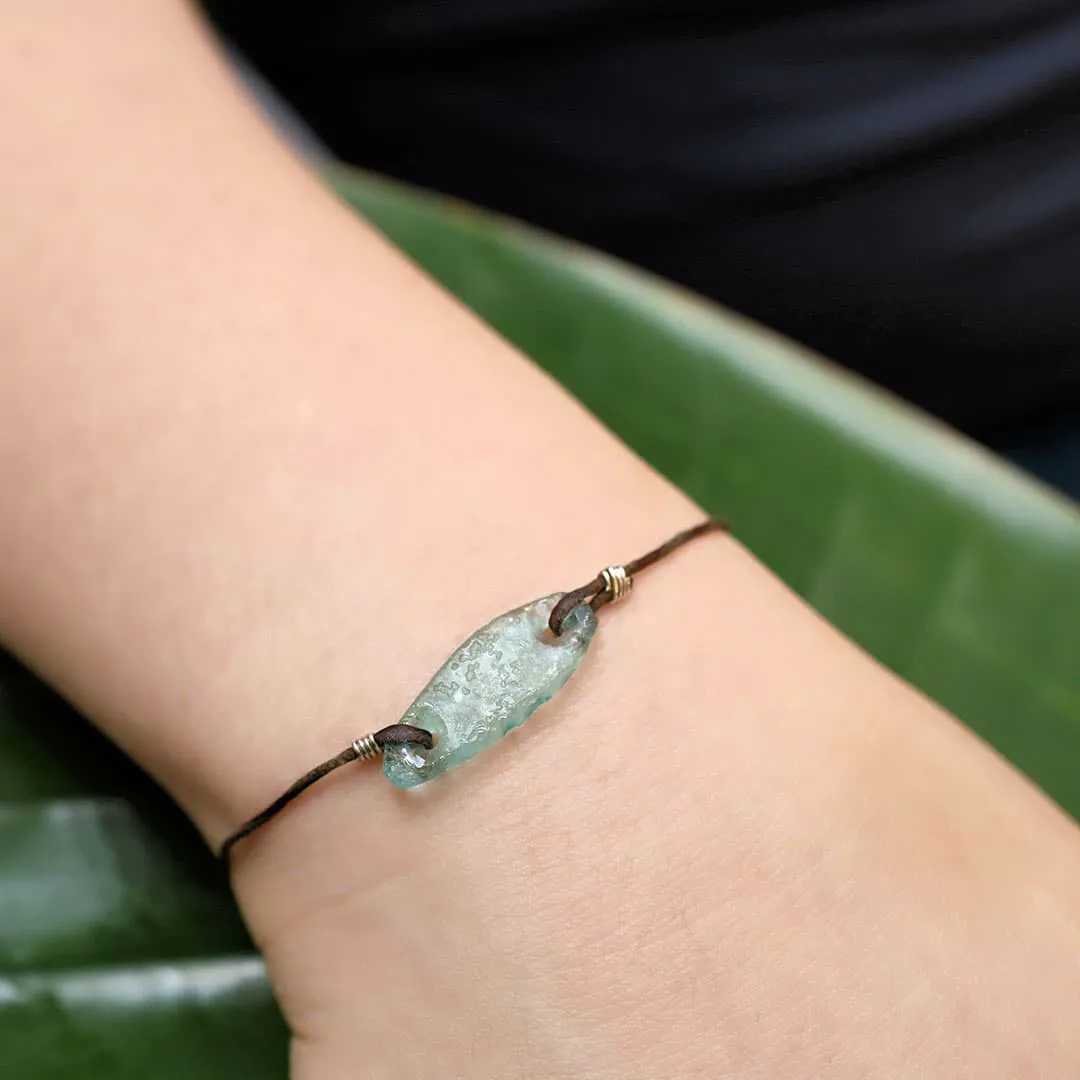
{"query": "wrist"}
[(601, 828), (703, 823)]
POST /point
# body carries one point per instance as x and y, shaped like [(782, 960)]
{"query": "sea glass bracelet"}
[(492, 683)]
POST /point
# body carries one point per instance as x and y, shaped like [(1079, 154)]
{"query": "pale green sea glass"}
[(490, 685)]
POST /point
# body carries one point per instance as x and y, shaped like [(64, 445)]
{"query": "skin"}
[(260, 477)]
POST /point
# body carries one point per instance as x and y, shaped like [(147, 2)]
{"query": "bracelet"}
[(491, 684)]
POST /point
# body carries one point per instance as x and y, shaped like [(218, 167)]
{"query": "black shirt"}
[(894, 182)]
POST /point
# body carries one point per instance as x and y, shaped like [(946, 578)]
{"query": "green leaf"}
[(121, 954)]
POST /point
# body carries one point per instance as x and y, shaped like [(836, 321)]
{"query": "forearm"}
[(260, 477), (238, 404)]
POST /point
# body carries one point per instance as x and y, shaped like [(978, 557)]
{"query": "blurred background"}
[(895, 183)]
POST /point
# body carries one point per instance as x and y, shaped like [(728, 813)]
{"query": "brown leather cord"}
[(394, 735), (596, 593)]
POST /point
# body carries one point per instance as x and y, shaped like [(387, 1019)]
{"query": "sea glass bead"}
[(490, 685)]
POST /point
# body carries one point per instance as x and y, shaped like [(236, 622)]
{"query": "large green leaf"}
[(121, 955)]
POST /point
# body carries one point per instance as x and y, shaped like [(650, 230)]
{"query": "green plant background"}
[(121, 954)]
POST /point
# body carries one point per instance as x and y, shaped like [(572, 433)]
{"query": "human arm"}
[(260, 477)]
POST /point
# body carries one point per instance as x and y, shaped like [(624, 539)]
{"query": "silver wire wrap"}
[(366, 748), (617, 582)]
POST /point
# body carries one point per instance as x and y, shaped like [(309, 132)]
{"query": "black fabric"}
[(895, 183)]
